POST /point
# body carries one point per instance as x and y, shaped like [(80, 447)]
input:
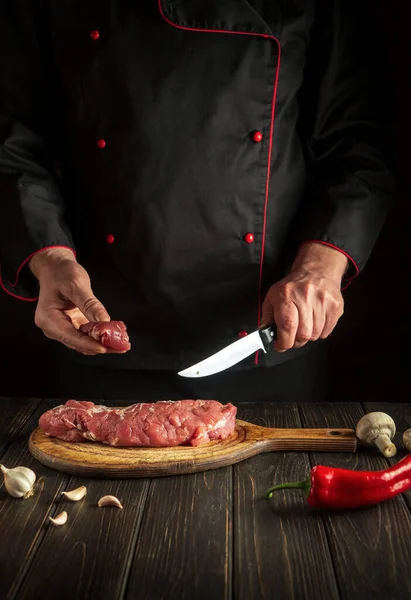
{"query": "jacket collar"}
[(214, 15)]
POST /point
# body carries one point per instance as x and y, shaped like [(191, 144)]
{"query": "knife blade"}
[(261, 339)]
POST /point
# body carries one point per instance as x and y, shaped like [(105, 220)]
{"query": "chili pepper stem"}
[(385, 445), (301, 485)]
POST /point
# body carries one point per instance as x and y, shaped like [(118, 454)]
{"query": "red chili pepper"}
[(340, 488)]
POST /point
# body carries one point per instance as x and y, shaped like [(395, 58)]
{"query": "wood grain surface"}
[(372, 539), (99, 460), (22, 522), (281, 549), (205, 535)]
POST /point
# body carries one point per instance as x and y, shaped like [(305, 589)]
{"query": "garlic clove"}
[(77, 494), (109, 501), (19, 481), (61, 519)]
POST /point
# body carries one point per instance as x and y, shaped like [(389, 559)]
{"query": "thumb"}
[(91, 308)]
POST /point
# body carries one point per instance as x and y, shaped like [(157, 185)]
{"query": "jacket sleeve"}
[(31, 206), (347, 126)]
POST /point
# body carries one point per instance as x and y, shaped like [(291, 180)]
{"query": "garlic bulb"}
[(19, 482)]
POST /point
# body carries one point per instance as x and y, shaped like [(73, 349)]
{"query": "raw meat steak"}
[(112, 334), (190, 422)]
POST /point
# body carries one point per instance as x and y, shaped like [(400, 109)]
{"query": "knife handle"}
[(268, 336)]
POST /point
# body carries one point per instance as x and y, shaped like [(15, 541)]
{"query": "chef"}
[(196, 170)]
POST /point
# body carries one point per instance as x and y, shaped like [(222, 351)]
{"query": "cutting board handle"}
[(332, 439)]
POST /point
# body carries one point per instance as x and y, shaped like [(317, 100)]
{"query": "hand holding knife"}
[(306, 306)]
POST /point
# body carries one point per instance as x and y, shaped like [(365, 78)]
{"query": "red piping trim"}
[(13, 285), (357, 268), (270, 147)]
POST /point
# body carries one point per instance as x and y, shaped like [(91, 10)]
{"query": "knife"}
[(262, 339)]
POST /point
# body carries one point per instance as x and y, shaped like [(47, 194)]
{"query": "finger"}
[(331, 320), (305, 325), (58, 327), (76, 317), (86, 301), (333, 312), (286, 319), (112, 351), (318, 322)]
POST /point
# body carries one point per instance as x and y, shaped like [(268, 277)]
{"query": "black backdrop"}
[(369, 356)]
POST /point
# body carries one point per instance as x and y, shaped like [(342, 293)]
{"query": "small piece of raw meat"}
[(112, 334), (159, 424)]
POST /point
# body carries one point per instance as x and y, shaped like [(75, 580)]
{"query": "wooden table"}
[(206, 536)]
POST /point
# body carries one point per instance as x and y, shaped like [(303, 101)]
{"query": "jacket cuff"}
[(352, 270), (24, 286)]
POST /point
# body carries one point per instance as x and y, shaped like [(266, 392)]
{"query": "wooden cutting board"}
[(93, 459)]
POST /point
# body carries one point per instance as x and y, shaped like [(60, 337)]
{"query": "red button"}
[(249, 238), (242, 334), (110, 238), (94, 34), (101, 143), (257, 136)]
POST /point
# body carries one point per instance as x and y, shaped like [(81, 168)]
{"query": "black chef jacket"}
[(185, 149)]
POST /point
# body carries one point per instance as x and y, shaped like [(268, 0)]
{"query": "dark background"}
[(368, 348)]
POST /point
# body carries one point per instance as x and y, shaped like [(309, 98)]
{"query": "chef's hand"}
[(307, 304), (66, 300)]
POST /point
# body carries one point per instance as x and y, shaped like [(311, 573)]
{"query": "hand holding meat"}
[(66, 301), (307, 304), (112, 334)]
